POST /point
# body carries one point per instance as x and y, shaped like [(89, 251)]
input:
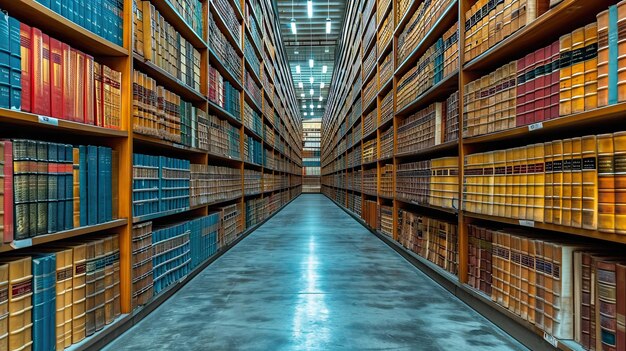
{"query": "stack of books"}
[(489, 22), (171, 254), (203, 238), (380, 10), (386, 69), (386, 143), (252, 182), (386, 181), (231, 224), (432, 239), (452, 118), (370, 182), (370, 213), (386, 220), (369, 63), (370, 151), (143, 283), (224, 94), (432, 182), (252, 119), (253, 60), (369, 34), (385, 32), (227, 12), (253, 89), (451, 50), (253, 150), (370, 122), (479, 271), (423, 19)]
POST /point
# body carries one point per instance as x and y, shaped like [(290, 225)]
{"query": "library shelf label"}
[(20, 244), (527, 223), (535, 126), (550, 339), (49, 120)]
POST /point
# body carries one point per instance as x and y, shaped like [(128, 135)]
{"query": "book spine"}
[(76, 187), (53, 177), (68, 81), (591, 66), (61, 225), (620, 306), (45, 76), (606, 183), (84, 186), (606, 304), (92, 192), (69, 184), (590, 183), (101, 186), (89, 92), (15, 63), (565, 104), (578, 71), (5, 62), (56, 78), (26, 54), (619, 164), (8, 204)]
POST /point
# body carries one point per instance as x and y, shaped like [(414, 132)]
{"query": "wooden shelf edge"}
[(172, 16), (66, 234), (232, 79), (167, 80), (154, 141), (444, 86), (221, 23), (447, 146), (451, 211), (224, 114), (153, 216)]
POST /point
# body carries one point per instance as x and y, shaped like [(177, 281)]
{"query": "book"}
[(5, 58), (44, 302), (20, 291), (15, 63), (26, 65), (6, 186), (611, 82), (606, 183)]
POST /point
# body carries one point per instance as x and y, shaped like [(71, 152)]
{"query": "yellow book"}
[(566, 181), (591, 66), (516, 194), (499, 183), (549, 181), (577, 183), (540, 181), (524, 184), (619, 142), (578, 71), (508, 199), (4, 306), (589, 182), (20, 293), (557, 181), (606, 183), (565, 99), (530, 182)]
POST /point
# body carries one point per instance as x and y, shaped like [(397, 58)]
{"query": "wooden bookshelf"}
[(126, 141), (340, 180)]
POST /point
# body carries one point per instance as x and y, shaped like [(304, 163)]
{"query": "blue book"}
[(65, 10), (108, 185), (15, 64), (61, 225), (82, 178), (44, 302), (53, 184), (5, 59), (69, 187), (102, 194), (89, 15), (92, 181), (45, 3), (57, 6)]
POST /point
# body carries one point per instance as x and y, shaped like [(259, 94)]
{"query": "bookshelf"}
[(346, 137), (277, 129)]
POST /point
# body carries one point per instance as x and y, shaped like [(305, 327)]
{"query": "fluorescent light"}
[(293, 26), (302, 95), (322, 85), (296, 52), (311, 92), (324, 69), (327, 25), (311, 106), (311, 80), (311, 113), (300, 85), (319, 106), (298, 69), (309, 8), (305, 114), (303, 106), (320, 98), (311, 63), (326, 50)]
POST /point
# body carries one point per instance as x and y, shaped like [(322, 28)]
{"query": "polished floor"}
[(312, 278)]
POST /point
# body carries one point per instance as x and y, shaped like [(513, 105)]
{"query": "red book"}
[(531, 64), (547, 86), (45, 75), (8, 191), (521, 92), (56, 79), (26, 43), (620, 273), (68, 81), (78, 63), (555, 91), (89, 94), (540, 82)]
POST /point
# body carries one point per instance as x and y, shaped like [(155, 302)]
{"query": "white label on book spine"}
[(535, 126), (527, 223), (20, 244), (49, 120), (550, 339)]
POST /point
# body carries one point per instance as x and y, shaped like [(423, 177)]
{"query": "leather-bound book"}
[(589, 182), (619, 164), (606, 183)]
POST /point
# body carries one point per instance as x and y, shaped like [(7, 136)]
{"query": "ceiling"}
[(311, 41)]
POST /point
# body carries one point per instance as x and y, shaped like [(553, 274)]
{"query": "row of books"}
[(381, 6), (525, 273), (232, 222), (386, 181), (223, 137), (50, 187), (224, 94), (253, 150), (423, 129), (370, 214), (60, 294), (386, 143), (385, 220), (191, 12), (45, 76), (103, 18), (210, 184), (489, 22), (222, 48), (251, 58), (370, 90), (432, 239), (385, 32), (370, 151), (429, 69), (431, 182), (370, 122), (227, 11), (253, 27), (386, 108), (386, 69), (252, 182), (369, 34), (452, 118), (255, 211), (161, 43), (159, 184), (420, 23), (252, 119), (369, 63), (573, 182), (161, 113), (253, 89), (370, 181)]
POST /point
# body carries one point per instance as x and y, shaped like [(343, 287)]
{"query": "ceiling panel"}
[(311, 41)]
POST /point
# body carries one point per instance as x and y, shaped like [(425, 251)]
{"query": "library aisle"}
[(313, 279)]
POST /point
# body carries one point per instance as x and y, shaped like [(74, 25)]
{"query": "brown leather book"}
[(619, 163), (565, 104), (591, 66), (578, 71), (549, 181), (20, 292), (577, 184), (589, 182), (606, 183)]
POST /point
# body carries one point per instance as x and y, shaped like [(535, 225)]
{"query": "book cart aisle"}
[(139, 141), (484, 140)]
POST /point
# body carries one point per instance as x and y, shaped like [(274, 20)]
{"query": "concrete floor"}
[(312, 278)]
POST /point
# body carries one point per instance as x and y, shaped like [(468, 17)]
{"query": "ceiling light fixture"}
[(305, 114), (311, 80), (293, 26), (320, 98), (303, 106), (324, 69), (319, 106), (311, 113), (300, 85), (309, 8), (311, 63), (322, 85), (311, 91), (302, 95), (298, 69), (327, 25), (311, 106)]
